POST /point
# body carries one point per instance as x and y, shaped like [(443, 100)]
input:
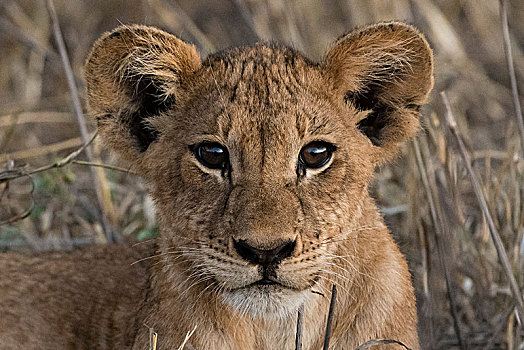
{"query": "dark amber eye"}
[(316, 154), (212, 155)]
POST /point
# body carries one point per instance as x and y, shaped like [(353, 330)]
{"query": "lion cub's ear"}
[(387, 70), (133, 74)]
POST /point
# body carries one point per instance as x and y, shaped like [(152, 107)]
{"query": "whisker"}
[(338, 285), (341, 268)]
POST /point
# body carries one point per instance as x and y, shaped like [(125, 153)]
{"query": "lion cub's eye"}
[(316, 154), (212, 155)]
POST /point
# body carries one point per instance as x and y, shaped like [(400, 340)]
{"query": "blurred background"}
[(462, 291)]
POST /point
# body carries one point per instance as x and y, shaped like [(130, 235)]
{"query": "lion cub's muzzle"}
[(264, 257), (268, 259)]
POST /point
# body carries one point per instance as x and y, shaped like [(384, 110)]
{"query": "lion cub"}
[(259, 161)]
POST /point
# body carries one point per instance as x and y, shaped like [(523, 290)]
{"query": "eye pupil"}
[(316, 154), (212, 155)]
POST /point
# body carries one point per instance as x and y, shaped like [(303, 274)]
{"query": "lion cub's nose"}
[(262, 256)]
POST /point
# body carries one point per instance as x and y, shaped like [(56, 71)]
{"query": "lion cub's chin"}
[(266, 301)]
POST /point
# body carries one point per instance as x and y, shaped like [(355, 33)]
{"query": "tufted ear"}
[(385, 70), (133, 74)]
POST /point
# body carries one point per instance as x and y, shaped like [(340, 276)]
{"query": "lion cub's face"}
[(257, 158), (264, 178)]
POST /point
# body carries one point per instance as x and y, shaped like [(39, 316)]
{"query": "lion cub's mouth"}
[(264, 282), (269, 285)]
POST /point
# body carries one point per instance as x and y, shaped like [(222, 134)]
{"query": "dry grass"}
[(427, 196)]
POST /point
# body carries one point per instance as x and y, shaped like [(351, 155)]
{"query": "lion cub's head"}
[(258, 159)]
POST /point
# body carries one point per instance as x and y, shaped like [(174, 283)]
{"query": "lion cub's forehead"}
[(263, 88), (261, 73)]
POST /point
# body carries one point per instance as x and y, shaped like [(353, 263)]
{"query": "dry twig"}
[(185, 343), (15, 173), (300, 327), (96, 178), (101, 165), (330, 317), (26, 212), (153, 339), (376, 342)]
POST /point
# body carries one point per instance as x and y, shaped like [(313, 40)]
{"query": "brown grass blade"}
[(34, 117), (169, 12), (247, 16), (511, 70), (439, 227), (495, 236)]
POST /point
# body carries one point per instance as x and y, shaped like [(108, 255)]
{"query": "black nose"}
[(262, 256)]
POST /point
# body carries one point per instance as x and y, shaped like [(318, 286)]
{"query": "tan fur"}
[(153, 98)]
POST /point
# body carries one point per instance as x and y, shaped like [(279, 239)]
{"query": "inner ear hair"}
[(151, 101)]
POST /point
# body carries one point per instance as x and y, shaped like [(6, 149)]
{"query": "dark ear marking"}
[(413, 107), (373, 125), (114, 35), (367, 100), (143, 133), (151, 101), (361, 100)]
